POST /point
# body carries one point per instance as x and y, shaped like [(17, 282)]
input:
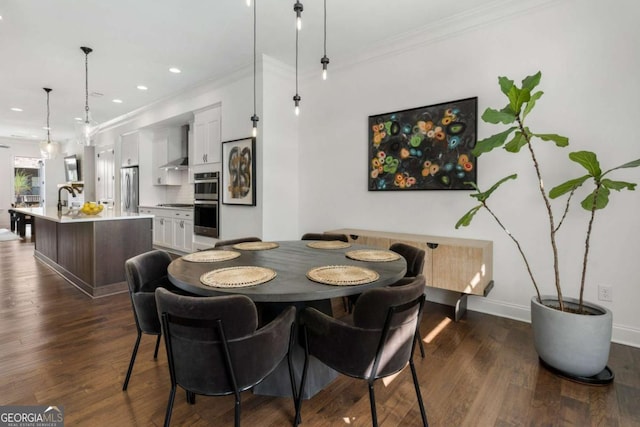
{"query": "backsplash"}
[(180, 194)]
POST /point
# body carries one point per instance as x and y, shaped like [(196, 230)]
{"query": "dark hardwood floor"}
[(59, 347)]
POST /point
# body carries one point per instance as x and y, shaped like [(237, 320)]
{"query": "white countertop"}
[(180, 208), (51, 213)]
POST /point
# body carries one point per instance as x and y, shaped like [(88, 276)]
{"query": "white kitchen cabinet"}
[(129, 149), (183, 235), (105, 174), (165, 147), (207, 142), (172, 228)]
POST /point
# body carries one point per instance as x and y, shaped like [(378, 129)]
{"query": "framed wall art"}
[(239, 172), (426, 148)]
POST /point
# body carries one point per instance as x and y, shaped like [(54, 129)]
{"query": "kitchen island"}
[(90, 250)]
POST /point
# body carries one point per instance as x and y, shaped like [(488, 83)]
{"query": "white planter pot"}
[(575, 344)]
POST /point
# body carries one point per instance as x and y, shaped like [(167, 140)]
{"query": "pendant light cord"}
[(48, 127), (86, 87), (297, 61), (325, 27), (254, 57)]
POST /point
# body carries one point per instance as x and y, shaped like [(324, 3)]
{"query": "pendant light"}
[(49, 149), (296, 97), (88, 128), (298, 8), (325, 60), (254, 118)]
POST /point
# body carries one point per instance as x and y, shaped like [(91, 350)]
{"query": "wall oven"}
[(206, 214)]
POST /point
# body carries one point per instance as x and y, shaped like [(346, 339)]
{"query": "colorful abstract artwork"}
[(426, 148), (238, 172)]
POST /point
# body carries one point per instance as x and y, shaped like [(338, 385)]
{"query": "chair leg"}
[(372, 401), (298, 418), (167, 417), (418, 338), (191, 398), (423, 413), (155, 353), (132, 361)]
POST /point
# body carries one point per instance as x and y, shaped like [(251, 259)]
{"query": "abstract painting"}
[(239, 172), (426, 148)]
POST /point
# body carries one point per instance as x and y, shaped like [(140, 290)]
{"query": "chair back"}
[(144, 273), (231, 242), (414, 257), (390, 317), (325, 236), (212, 343)]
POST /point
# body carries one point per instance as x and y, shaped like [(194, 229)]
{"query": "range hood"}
[(181, 163)]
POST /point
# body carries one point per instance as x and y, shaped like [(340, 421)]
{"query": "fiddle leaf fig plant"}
[(521, 102)]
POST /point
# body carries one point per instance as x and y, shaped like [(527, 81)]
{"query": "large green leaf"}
[(618, 185), (602, 199), (505, 116), (483, 196), (531, 82), (531, 103), (632, 164), (587, 160), (505, 84), (568, 186), (561, 141), (517, 97), (516, 143), (494, 141), (466, 218)]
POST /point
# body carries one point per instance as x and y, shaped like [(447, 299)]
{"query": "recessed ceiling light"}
[(175, 70), (16, 109), (78, 119), (142, 87), (45, 128), (118, 101), (34, 136)]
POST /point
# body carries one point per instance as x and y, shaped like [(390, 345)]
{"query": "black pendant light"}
[(325, 60), (298, 8), (89, 126), (254, 118), (49, 149)]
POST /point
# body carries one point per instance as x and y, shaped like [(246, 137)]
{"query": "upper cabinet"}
[(207, 146), (166, 147), (129, 149)]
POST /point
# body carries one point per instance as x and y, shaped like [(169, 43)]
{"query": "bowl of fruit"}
[(91, 208)]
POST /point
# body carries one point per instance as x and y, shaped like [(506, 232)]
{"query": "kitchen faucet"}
[(70, 189)]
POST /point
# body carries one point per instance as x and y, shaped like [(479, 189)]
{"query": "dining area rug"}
[(6, 235)]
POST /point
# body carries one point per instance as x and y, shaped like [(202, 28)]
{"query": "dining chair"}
[(377, 342), (325, 236), (144, 273), (215, 349), (231, 242)]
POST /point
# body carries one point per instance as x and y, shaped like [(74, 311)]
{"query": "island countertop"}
[(51, 213)]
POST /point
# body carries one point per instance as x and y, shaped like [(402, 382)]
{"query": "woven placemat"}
[(342, 275), (237, 277), (211, 256), (328, 244), (372, 255), (255, 246)]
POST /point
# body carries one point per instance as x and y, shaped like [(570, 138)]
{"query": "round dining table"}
[(291, 261)]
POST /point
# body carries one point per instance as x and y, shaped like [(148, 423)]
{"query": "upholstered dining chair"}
[(325, 236), (415, 267), (230, 242), (144, 273), (215, 349), (379, 342)]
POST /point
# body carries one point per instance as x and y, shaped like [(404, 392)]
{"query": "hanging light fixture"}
[(296, 97), (298, 8), (254, 118), (87, 128), (325, 60), (49, 149)]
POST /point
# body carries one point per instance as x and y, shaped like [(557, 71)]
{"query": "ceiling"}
[(136, 42)]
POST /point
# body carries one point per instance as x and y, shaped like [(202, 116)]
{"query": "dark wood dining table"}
[(291, 261)]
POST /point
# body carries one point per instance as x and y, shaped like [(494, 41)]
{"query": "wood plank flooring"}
[(59, 347)]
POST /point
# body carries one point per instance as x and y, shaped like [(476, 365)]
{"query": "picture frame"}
[(425, 148), (239, 172)]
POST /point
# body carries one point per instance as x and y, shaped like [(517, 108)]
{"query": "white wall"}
[(587, 52)]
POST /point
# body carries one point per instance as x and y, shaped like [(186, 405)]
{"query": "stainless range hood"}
[(181, 163)]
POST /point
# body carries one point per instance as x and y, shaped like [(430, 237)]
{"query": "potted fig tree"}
[(571, 336)]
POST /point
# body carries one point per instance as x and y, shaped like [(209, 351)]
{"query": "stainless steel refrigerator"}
[(129, 189)]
